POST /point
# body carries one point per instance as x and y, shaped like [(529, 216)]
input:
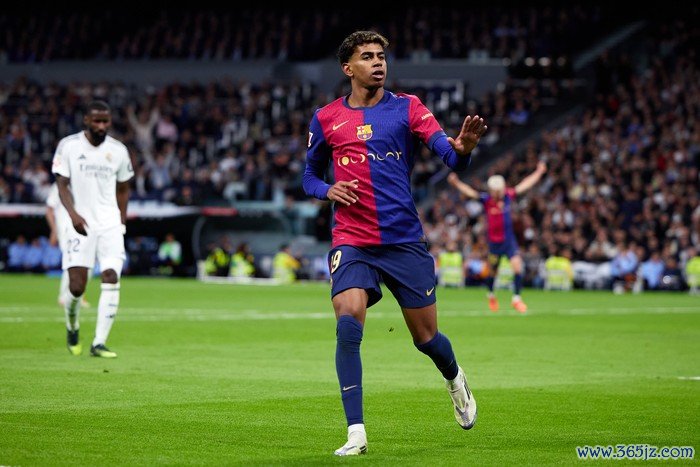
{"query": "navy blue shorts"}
[(407, 269), (508, 248)]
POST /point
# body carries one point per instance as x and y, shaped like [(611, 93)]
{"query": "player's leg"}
[(422, 323), (77, 280), (355, 286), (493, 261), (350, 310), (111, 255), (516, 262), (63, 288), (78, 257), (408, 271)]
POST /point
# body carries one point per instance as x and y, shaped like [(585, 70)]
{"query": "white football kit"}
[(94, 172)]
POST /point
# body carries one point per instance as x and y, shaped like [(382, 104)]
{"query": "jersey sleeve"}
[(511, 192), (425, 126), (484, 197), (125, 170), (318, 155), (53, 200), (60, 164), (422, 122)]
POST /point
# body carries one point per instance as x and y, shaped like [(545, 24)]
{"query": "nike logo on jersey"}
[(82, 157), (347, 388), (335, 127), (429, 292)]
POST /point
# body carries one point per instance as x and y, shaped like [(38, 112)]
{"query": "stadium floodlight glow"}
[(529, 61), (544, 61)]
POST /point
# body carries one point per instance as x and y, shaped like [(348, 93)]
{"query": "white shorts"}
[(105, 245)]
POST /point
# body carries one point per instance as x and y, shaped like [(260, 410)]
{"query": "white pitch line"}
[(218, 314), (689, 378)]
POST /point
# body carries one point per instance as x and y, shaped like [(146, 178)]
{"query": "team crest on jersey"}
[(109, 157), (364, 132)]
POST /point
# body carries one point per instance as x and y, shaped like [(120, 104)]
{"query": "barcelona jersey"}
[(376, 146), (498, 217)]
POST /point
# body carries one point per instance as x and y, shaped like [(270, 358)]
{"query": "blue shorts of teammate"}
[(407, 269), (508, 248)]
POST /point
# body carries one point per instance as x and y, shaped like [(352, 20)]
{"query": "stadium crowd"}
[(620, 199), (301, 33), (223, 141)]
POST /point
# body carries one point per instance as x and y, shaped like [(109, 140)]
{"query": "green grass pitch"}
[(226, 375)]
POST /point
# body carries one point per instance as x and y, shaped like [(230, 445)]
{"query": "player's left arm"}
[(455, 152), (124, 173), (532, 179), (123, 199)]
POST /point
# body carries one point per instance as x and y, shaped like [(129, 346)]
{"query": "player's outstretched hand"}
[(343, 193), (79, 224), (541, 167), (472, 130)]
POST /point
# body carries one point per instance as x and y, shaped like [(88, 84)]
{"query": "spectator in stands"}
[(623, 268), (218, 261), (242, 262), (558, 270), (34, 255), (285, 266), (169, 255), (16, 254), (450, 264), (672, 275), (692, 272), (651, 271)]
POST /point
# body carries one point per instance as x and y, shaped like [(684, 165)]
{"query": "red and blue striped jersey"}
[(376, 146), (498, 216)]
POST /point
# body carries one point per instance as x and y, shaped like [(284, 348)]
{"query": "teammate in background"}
[(58, 220), (498, 204), (92, 173), (369, 137)]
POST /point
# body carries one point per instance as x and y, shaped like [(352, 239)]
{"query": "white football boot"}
[(357, 442), (463, 400)]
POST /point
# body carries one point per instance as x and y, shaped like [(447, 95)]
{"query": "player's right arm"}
[(79, 223), (318, 156), (61, 168), (462, 187)]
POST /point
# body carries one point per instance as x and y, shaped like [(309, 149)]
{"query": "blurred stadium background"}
[(214, 106)]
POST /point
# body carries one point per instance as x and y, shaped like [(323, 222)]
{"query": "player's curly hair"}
[(347, 47)]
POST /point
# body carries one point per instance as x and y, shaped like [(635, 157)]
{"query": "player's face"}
[(97, 123), (367, 65), (496, 194)]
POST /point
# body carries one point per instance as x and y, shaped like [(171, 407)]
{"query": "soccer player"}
[(58, 220), (92, 173), (369, 137), (498, 203)]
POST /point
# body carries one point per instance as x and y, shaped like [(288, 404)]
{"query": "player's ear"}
[(347, 69), (86, 119)]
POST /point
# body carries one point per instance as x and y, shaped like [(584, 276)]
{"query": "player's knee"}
[(348, 331), (76, 287), (110, 276)]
